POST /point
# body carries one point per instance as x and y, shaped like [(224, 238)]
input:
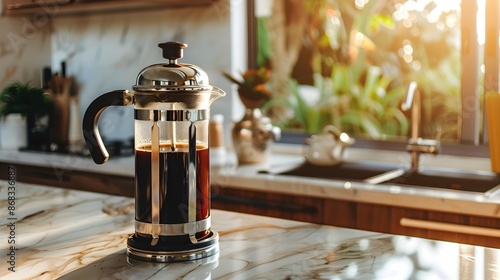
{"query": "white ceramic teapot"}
[(328, 147)]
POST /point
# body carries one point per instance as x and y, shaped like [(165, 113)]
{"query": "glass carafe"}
[(172, 181)]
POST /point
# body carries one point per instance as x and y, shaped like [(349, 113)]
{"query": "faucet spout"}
[(417, 145), (413, 104)]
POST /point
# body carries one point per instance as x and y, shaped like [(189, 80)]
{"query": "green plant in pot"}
[(27, 104)]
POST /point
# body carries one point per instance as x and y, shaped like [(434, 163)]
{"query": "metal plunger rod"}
[(173, 133), (155, 184), (174, 136), (192, 179)]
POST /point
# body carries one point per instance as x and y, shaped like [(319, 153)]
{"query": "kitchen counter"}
[(123, 165), (288, 156), (70, 234), (249, 178)]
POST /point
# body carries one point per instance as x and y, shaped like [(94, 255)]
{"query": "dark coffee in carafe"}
[(173, 184)]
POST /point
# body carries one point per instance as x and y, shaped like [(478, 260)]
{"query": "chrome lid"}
[(172, 76)]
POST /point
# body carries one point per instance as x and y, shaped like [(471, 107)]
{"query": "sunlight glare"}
[(481, 22)]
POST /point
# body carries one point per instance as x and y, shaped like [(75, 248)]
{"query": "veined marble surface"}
[(61, 234)]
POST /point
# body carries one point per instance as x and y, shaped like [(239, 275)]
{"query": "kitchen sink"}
[(476, 182), (372, 172), (482, 182)]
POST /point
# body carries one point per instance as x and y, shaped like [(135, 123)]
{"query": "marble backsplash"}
[(24, 49), (105, 52)]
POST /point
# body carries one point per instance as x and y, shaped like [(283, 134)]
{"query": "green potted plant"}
[(21, 105), (252, 88)]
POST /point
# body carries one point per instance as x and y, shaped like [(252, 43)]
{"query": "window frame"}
[(470, 125)]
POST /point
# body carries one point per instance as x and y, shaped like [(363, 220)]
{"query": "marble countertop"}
[(55, 233), (285, 157), (249, 178)]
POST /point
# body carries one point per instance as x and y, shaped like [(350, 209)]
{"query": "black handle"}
[(90, 119)]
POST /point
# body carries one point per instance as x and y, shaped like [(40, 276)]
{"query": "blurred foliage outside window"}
[(349, 63)]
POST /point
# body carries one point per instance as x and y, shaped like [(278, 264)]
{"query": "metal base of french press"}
[(204, 248)]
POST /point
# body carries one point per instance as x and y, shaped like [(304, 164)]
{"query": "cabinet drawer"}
[(447, 226), (482, 231)]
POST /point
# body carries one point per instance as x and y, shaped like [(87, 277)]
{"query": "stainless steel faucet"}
[(417, 145)]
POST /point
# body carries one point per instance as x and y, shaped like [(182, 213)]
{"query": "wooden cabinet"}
[(483, 231), (340, 213), (52, 8), (306, 209), (71, 179)]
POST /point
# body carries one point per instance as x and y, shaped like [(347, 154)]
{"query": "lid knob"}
[(172, 51)]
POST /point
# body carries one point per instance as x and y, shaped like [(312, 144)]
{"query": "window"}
[(349, 63)]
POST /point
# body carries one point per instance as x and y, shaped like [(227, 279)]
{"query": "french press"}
[(172, 185)]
